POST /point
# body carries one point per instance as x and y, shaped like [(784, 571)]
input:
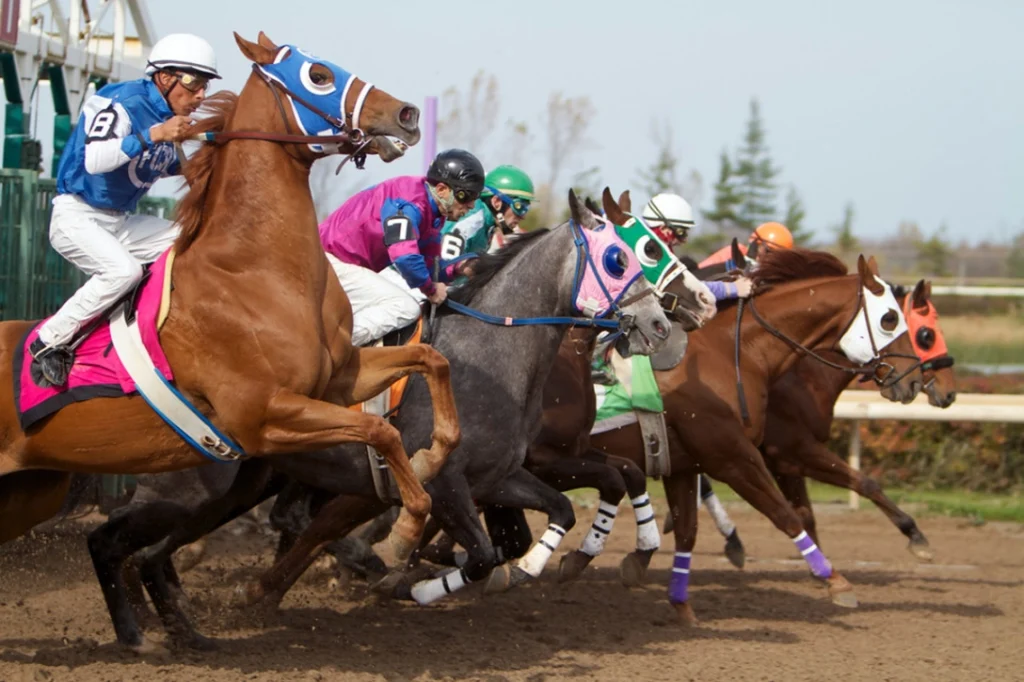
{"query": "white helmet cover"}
[(669, 209), (183, 51)]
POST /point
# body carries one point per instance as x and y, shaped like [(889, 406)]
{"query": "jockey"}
[(122, 144), (505, 200), (671, 217), (767, 236), (398, 222)]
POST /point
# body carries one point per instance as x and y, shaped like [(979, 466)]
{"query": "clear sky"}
[(911, 109)]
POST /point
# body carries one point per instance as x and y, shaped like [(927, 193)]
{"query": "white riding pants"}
[(382, 302), (110, 246)]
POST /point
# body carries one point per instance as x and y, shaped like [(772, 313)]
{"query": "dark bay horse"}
[(497, 371), (259, 334)]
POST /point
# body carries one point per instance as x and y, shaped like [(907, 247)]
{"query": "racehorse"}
[(497, 370), (716, 399), (800, 412), (258, 333)]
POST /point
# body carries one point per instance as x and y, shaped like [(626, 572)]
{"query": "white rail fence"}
[(969, 407)]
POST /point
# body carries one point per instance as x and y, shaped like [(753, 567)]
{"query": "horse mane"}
[(788, 265), (198, 169), (487, 265)]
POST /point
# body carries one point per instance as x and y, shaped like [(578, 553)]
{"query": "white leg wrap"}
[(647, 537), (720, 516), (593, 544), (535, 560), (428, 591)]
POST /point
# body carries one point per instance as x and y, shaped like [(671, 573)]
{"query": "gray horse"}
[(498, 374)]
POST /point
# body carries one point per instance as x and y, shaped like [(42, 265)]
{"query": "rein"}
[(869, 371), (623, 323)]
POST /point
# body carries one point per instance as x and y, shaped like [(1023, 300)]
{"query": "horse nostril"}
[(409, 117), (660, 330)]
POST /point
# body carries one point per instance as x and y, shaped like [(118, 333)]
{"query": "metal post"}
[(854, 460), (429, 132)]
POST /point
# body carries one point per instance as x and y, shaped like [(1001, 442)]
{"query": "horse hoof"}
[(922, 551), (247, 595), (633, 569), (841, 591), (148, 648), (734, 550), (572, 565), (499, 580), (685, 615), (197, 642)]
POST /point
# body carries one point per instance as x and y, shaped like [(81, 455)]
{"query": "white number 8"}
[(102, 124)]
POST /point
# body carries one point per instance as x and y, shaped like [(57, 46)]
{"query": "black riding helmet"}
[(461, 171)]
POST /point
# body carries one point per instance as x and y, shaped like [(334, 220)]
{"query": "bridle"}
[(349, 135)]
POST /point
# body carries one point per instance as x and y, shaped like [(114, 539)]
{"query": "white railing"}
[(959, 290), (969, 407)]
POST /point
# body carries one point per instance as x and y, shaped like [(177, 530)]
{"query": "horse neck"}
[(813, 324), (258, 208)]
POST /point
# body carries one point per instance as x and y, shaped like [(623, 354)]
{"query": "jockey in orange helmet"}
[(766, 236)]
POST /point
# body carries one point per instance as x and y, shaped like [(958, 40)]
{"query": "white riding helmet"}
[(183, 51), (668, 210)]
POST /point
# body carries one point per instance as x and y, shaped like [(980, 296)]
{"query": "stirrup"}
[(51, 365)]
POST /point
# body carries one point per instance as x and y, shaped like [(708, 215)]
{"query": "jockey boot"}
[(52, 362)]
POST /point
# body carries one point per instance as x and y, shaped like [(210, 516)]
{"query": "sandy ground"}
[(961, 617)]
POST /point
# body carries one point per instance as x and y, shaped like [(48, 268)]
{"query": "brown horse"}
[(259, 332), (800, 412), (808, 302)]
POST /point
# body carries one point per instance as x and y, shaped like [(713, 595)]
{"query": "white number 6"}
[(451, 246)]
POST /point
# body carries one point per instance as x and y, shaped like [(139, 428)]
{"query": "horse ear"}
[(625, 203), (266, 42), (254, 52), (612, 211), (922, 291), (582, 215), (592, 205), (867, 269)]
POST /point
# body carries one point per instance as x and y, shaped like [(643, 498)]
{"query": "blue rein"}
[(621, 324)]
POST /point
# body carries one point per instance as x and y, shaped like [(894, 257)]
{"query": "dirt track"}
[(959, 618)]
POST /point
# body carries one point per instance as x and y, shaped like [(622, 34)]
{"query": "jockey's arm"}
[(741, 288), (109, 140), (401, 221)]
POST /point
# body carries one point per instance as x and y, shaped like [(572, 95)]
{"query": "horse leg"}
[(794, 488), (524, 490), (821, 464), (747, 474), (128, 530), (372, 370), (355, 551), (456, 511), (27, 498), (734, 550), (569, 473), (249, 488), (297, 423), (509, 532), (681, 493), (338, 517)]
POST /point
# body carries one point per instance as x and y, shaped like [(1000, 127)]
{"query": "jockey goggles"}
[(190, 81), (519, 206), (465, 196)]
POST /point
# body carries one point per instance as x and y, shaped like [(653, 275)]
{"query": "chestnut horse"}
[(800, 412), (259, 332), (808, 303)]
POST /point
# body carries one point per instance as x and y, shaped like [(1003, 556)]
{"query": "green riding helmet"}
[(512, 185)]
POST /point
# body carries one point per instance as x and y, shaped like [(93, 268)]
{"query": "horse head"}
[(685, 298), (328, 101)]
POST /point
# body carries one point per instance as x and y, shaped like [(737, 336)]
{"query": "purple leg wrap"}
[(820, 566), (680, 580)]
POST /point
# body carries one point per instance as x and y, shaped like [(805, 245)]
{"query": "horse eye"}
[(652, 250), (890, 320), (925, 338), (320, 75)]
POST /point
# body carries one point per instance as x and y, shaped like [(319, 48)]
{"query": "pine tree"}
[(846, 241), (726, 198), (756, 174), (933, 254), (794, 219), (660, 176)]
